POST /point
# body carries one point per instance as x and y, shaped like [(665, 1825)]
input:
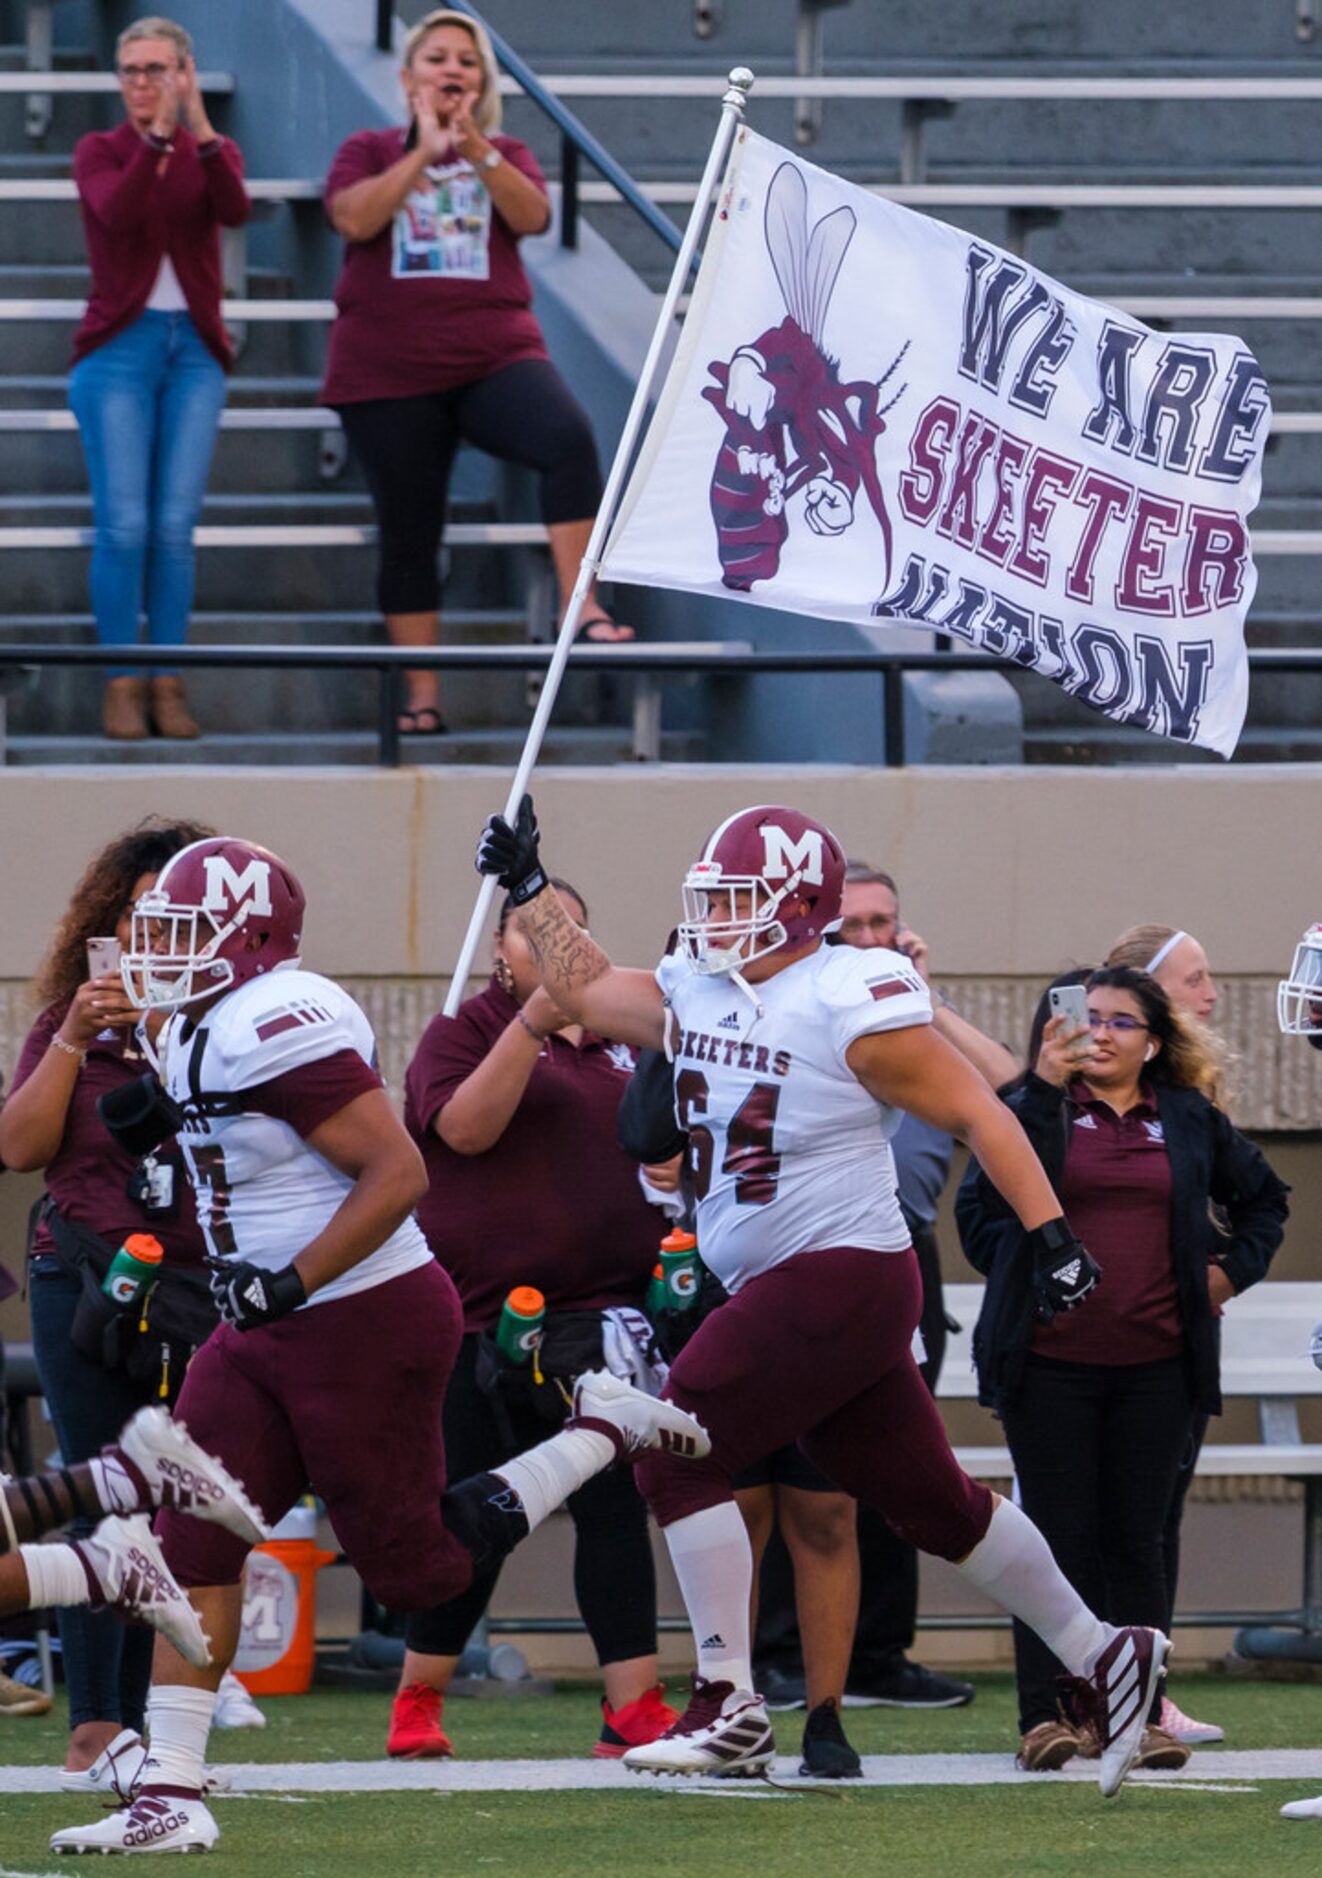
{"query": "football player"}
[(339, 1328), (153, 1464), (793, 1059)]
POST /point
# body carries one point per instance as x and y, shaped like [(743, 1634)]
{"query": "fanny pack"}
[(152, 1339), (571, 1344)]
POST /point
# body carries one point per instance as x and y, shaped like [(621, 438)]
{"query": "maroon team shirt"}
[(1116, 1193), (88, 1175), (555, 1203), (403, 338)]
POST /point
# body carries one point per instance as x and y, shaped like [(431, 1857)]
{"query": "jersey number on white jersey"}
[(750, 1154)]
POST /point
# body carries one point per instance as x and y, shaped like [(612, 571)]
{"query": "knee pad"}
[(486, 1516)]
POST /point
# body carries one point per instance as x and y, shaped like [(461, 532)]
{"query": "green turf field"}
[(666, 1828)]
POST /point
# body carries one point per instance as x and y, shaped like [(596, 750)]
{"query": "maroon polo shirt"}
[(136, 211), (555, 1203), (1116, 1193), (88, 1175), (403, 338)]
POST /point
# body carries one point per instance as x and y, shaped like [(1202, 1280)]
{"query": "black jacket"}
[(1210, 1161)]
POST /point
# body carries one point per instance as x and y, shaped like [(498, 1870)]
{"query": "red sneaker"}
[(415, 1725), (633, 1725)]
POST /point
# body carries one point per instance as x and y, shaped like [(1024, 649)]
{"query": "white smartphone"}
[(103, 958), (1071, 1003)]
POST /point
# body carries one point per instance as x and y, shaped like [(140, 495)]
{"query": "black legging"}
[(614, 1576), (524, 414), (1096, 1449)]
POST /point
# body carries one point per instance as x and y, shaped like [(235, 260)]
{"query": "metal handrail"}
[(576, 140), (387, 661)]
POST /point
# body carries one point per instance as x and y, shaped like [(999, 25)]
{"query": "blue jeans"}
[(107, 1663), (148, 404)]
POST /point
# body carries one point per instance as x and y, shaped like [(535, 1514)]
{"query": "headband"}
[(1162, 953)]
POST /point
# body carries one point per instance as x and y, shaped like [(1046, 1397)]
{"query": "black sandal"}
[(410, 723), (586, 631)]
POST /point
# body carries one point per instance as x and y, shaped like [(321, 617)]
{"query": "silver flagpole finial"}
[(741, 83)]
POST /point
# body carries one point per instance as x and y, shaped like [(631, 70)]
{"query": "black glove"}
[(247, 1295), (140, 1115), (511, 854), (1063, 1271)]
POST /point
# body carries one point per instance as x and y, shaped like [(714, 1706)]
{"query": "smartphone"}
[(1071, 1003), (103, 958)]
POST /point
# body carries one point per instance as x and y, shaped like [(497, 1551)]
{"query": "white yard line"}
[(1211, 1769)]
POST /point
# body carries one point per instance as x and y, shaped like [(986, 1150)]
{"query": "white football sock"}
[(178, 1723), (546, 1475), (55, 1576), (1013, 1564), (713, 1562)]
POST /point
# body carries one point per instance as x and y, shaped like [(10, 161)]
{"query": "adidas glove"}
[(511, 854), (247, 1295), (1063, 1271)]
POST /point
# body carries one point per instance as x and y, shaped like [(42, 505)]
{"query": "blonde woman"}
[(436, 343)]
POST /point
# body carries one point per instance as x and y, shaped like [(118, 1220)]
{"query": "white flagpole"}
[(732, 109)]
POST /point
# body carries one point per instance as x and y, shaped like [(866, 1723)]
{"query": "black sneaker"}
[(826, 1753), (780, 1689), (907, 1685)]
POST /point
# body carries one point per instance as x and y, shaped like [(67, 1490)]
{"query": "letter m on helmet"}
[(227, 889), (786, 856)]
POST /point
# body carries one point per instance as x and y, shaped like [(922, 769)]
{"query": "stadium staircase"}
[(1065, 159)]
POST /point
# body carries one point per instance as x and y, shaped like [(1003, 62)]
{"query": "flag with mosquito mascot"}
[(874, 417)]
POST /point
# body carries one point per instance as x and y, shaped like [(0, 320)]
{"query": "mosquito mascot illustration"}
[(790, 423)]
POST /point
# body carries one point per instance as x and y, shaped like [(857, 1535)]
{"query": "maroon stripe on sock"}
[(135, 1474), (95, 1592)]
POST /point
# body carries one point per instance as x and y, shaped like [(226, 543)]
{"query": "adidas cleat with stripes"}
[(126, 1570), (724, 1731), (1116, 1699), (636, 1421), (162, 1465)]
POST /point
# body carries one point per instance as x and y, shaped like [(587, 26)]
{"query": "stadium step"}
[(591, 746)]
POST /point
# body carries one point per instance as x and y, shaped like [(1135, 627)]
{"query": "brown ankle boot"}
[(124, 710), (170, 714)]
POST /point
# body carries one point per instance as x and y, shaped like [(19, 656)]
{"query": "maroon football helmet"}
[(192, 932), (785, 874)]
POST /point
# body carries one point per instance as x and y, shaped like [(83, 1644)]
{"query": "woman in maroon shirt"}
[(150, 357), (1098, 1404), (515, 1110), (80, 1048), (436, 343)]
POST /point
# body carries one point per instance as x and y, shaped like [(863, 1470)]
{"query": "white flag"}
[(872, 416)]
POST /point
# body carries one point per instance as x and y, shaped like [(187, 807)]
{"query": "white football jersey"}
[(262, 1192), (789, 1150)]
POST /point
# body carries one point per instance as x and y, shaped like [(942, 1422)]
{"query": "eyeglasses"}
[(133, 74), (1119, 1024)]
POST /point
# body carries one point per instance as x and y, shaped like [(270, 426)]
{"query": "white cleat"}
[(642, 1421), (1118, 1695), (114, 1773), (235, 1708), (1302, 1809), (126, 1569), (182, 1476), (724, 1731), (156, 1822)]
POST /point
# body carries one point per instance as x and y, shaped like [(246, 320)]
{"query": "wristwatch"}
[(491, 160)]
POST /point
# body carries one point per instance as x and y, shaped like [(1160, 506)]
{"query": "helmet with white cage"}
[(221, 912), (1299, 997), (780, 877)]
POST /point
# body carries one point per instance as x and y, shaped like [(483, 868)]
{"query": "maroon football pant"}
[(344, 1397), (818, 1351)]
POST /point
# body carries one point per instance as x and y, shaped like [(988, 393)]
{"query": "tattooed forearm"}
[(567, 959)]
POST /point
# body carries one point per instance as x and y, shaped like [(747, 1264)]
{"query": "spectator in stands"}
[(514, 1109), (436, 343), (1097, 1405), (150, 357), (82, 1046), (1179, 965)]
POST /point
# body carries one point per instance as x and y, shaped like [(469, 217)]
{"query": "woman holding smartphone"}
[(81, 1047), (1098, 1404)]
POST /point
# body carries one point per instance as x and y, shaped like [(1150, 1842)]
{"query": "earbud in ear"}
[(1149, 1053)]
